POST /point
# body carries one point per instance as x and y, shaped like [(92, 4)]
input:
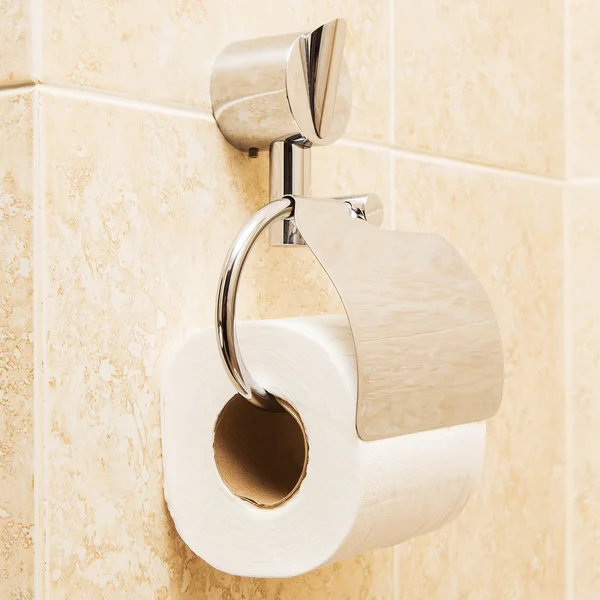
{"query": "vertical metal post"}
[(289, 175)]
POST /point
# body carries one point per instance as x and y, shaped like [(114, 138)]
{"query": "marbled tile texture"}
[(164, 51), (16, 347), (482, 81), (583, 343), (140, 210), (509, 541), (15, 40), (140, 201), (584, 84)]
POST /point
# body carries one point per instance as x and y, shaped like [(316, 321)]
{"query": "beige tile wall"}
[(582, 293), (583, 339), (482, 81), (487, 135), (584, 88), (16, 345), (15, 42), (510, 540), (164, 51), (141, 206)]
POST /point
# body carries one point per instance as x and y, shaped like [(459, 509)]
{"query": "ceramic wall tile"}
[(482, 81), (15, 41), (368, 577), (140, 209), (583, 344), (584, 85), (164, 51), (509, 541), (141, 205), (16, 347)]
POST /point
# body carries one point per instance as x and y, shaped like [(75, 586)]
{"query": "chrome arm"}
[(367, 207), (226, 303)]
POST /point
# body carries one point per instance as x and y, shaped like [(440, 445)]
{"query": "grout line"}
[(567, 309), (101, 96), (450, 162), (393, 197), (396, 573), (352, 142), (117, 99), (17, 88), (38, 352), (568, 391), (392, 72), (567, 92), (466, 164)]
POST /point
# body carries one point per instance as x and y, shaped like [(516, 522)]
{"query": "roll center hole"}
[(261, 456)]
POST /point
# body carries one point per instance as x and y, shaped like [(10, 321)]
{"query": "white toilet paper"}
[(355, 495)]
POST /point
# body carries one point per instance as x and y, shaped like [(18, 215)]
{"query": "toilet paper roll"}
[(265, 495)]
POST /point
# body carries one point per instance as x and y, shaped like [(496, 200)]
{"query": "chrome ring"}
[(226, 303)]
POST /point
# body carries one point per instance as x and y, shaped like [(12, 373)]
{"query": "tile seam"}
[(567, 91), (108, 97), (567, 302), (392, 204), (392, 73), (134, 103), (396, 573), (392, 133), (450, 161), (482, 167), (18, 88)]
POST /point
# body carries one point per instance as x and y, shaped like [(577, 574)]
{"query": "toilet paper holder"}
[(428, 347)]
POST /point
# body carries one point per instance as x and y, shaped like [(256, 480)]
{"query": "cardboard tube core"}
[(261, 456)]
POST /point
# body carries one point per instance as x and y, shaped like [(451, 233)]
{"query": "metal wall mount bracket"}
[(284, 94), (427, 343)]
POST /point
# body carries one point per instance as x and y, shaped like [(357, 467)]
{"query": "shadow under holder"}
[(428, 347)]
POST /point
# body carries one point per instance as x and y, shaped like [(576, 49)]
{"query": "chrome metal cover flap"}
[(428, 347)]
